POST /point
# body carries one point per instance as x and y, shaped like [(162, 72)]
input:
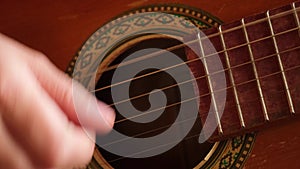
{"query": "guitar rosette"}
[(158, 59)]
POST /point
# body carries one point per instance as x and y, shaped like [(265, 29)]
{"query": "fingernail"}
[(107, 113), (91, 134)]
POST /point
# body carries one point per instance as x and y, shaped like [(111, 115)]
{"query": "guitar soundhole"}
[(188, 153)]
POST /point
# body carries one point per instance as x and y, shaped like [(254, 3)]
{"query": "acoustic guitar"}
[(259, 55)]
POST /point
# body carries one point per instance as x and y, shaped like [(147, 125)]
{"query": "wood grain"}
[(59, 28)]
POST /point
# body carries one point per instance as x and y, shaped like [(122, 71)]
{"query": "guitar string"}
[(197, 78), (162, 127), (186, 120), (206, 94), (157, 129), (185, 139), (210, 36), (204, 76), (150, 131), (183, 63), (193, 60), (190, 137)]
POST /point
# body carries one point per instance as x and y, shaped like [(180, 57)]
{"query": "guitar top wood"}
[(59, 28)]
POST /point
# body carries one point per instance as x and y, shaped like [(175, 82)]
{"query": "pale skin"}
[(39, 127)]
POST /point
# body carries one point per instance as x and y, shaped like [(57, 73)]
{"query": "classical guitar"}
[(245, 73), (260, 63)]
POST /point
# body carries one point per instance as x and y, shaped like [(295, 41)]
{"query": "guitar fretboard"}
[(261, 58)]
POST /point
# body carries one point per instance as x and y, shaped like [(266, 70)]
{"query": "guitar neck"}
[(261, 59)]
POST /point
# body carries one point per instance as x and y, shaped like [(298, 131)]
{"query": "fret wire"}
[(254, 41), (220, 130), (296, 14), (288, 94), (264, 107), (296, 17), (242, 122), (253, 22)]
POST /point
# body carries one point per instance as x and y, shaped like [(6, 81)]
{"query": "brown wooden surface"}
[(266, 65), (59, 28)]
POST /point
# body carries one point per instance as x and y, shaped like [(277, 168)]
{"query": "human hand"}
[(39, 127)]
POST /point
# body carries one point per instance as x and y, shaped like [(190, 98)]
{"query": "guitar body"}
[(59, 29)]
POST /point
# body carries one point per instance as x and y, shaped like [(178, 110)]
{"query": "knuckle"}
[(40, 57)]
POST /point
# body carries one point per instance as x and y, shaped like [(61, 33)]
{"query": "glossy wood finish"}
[(59, 28)]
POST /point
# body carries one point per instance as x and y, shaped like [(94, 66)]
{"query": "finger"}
[(11, 155), (79, 105), (39, 125)]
